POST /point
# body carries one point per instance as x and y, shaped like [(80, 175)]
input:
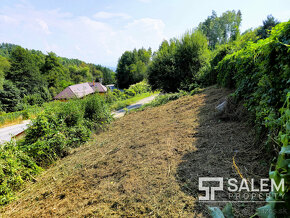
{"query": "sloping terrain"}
[(147, 164)]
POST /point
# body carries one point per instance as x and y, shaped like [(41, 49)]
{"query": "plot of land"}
[(147, 164)]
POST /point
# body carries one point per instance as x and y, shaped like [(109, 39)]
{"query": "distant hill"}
[(112, 68)]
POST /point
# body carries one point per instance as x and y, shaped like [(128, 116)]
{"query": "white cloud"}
[(83, 37), (7, 19), (146, 32), (43, 25), (108, 15)]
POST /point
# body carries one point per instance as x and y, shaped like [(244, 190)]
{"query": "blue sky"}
[(99, 31)]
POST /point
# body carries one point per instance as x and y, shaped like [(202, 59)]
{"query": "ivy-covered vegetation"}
[(29, 77)]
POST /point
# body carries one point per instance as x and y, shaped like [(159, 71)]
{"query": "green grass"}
[(13, 118), (33, 111), (124, 103)]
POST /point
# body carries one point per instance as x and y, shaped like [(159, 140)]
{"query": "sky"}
[(99, 31)]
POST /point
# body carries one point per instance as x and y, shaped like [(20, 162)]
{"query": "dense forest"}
[(29, 77)]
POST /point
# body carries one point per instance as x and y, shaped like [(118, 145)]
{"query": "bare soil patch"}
[(147, 164)]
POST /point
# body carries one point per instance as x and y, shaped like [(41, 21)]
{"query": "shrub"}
[(130, 92), (78, 135), (96, 111), (140, 87), (16, 168), (110, 97), (45, 124), (47, 149), (71, 113)]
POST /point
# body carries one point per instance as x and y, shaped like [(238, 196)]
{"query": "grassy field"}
[(148, 164)]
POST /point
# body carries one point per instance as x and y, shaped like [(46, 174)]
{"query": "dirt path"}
[(138, 104), (7, 133), (147, 164)]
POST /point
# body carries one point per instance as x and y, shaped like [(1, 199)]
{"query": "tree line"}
[(188, 62), (29, 77)]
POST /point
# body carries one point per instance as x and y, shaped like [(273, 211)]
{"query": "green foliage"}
[(129, 92), (96, 110), (39, 77), (220, 30), (178, 64), (140, 87), (16, 167), (227, 212), (10, 96), (34, 99), (23, 72), (4, 66), (260, 73), (71, 113), (132, 67), (281, 169), (265, 29)]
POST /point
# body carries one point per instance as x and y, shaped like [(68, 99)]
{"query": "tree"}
[(268, 24), (177, 63), (55, 73), (9, 96), (4, 66), (24, 71), (132, 67), (162, 72), (220, 30)]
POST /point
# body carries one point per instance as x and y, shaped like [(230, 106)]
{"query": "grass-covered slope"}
[(147, 164)]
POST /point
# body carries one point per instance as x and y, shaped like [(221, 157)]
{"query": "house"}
[(80, 90), (98, 87)]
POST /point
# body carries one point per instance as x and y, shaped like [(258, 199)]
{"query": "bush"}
[(78, 135), (96, 111), (140, 87), (48, 149), (16, 168), (260, 73), (129, 92), (71, 113)]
